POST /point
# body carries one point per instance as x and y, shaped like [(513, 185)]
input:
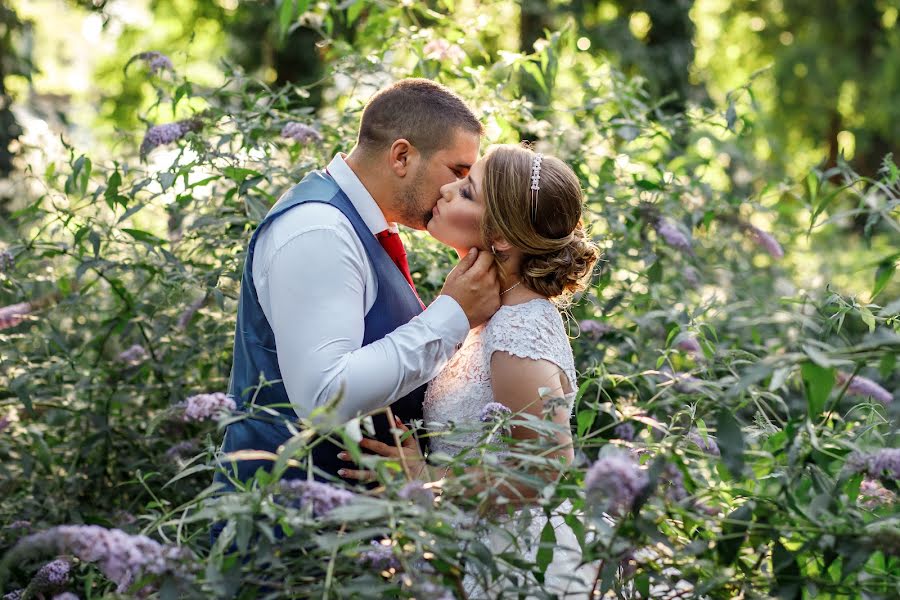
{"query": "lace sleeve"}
[(531, 330)]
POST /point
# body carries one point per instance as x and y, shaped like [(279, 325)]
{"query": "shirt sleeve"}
[(317, 312)]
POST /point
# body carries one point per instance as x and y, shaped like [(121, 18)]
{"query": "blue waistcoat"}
[(254, 343)]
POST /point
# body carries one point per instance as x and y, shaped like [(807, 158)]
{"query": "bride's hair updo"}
[(558, 257)]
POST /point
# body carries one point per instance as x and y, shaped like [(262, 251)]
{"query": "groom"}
[(327, 306)]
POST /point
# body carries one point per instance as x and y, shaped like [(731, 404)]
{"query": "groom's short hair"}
[(418, 110)]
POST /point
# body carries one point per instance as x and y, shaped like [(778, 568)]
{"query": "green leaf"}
[(545, 551), (787, 572), (143, 236), (286, 12), (734, 532), (867, 317), (818, 382), (883, 275), (585, 420), (731, 442), (730, 117)]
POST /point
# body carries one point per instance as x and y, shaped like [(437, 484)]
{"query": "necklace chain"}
[(511, 287)]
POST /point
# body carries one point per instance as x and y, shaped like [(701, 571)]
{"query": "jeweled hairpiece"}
[(535, 183)]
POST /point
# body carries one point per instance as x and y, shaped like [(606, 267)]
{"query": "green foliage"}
[(708, 347)]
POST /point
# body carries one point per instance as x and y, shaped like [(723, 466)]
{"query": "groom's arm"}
[(317, 306)]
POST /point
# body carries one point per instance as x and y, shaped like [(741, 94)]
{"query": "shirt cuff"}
[(447, 319)]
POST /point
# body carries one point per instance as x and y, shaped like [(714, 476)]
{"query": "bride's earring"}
[(493, 251)]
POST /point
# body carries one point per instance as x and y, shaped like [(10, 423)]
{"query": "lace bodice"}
[(458, 394)]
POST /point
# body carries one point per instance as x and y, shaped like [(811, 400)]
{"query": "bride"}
[(525, 208)]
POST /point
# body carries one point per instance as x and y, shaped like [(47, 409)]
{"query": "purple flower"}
[(380, 557), (765, 241), (872, 494), (206, 406), (691, 276), (19, 525), (690, 345), (885, 463), (14, 595), (120, 556), (884, 535), (156, 61), (614, 482), (624, 431), (321, 496), (681, 382), (190, 311), (672, 235), (862, 386), (4, 422), (300, 132), (176, 451), (65, 596), (417, 493), (159, 135), (133, 355), (707, 444), (12, 315), (494, 411), (7, 261), (52, 576), (594, 328)]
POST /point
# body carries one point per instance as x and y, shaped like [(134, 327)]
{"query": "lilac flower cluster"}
[(441, 49), (765, 241), (176, 451), (380, 557), (689, 345), (862, 386), (65, 596), (12, 315), (133, 355), (156, 61), (615, 481), (7, 261), (206, 406), (691, 276), (593, 328), (707, 444), (159, 135), (185, 318), (885, 463), (417, 493), (494, 411), (4, 422), (14, 595), (624, 431), (300, 132), (672, 235), (872, 494), (120, 556), (51, 577), (321, 496)]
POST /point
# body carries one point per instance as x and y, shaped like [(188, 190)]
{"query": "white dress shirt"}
[(315, 284)]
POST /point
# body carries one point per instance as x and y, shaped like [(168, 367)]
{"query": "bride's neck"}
[(512, 288)]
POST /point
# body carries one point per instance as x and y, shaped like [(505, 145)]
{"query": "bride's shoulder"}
[(534, 318)]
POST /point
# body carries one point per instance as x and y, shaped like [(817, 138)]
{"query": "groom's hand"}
[(474, 285)]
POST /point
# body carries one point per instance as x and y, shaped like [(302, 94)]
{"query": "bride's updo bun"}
[(558, 256)]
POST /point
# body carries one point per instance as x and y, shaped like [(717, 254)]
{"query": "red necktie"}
[(393, 245)]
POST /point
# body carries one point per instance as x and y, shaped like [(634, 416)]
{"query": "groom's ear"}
[(402, 156)]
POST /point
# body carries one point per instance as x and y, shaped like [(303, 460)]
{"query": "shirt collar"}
[(359, 196)]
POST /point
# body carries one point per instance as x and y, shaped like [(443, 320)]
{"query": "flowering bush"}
[(734, 427)]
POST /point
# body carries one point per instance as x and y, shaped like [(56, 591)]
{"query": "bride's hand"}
[(409, 455)]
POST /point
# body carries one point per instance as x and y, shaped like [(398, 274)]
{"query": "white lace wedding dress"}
[(459, 393)]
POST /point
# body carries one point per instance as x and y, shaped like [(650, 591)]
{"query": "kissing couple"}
[(328, 308)]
